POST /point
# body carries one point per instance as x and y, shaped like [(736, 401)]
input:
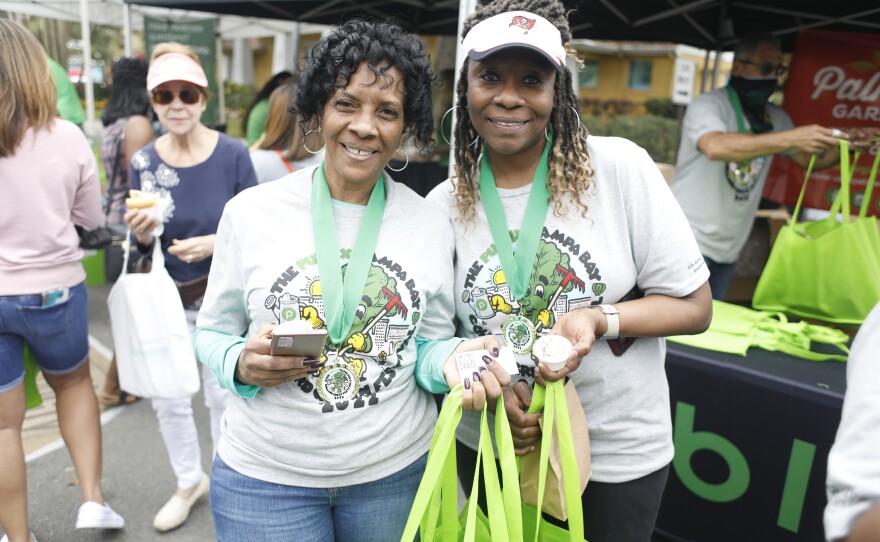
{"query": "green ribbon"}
[(517, 266), (737, 108), (342, 296)]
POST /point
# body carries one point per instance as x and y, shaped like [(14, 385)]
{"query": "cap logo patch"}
[(522, 22)]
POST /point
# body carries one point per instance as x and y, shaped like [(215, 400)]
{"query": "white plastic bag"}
[(154, 349)]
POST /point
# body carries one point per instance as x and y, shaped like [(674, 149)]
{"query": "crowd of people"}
[(542, 228)]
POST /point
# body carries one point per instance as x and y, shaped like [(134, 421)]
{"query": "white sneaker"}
[(175, 512), (98, 516)]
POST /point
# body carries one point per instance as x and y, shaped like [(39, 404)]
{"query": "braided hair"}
[(571, 171)]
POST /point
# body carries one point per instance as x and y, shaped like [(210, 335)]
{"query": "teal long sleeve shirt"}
[(220, 353)]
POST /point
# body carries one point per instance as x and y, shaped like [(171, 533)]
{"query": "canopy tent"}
[(708, 24)]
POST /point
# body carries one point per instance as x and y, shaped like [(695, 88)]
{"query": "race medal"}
[(519, 334), (338, 382)]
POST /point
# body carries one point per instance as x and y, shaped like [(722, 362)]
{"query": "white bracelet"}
[(612, 316)]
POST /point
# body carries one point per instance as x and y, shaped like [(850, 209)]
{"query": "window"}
[(640, 74), (589, 74)]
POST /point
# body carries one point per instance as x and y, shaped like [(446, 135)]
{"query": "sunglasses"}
[(189, 96), (767, 68)]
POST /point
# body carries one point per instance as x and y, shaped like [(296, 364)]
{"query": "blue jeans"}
[(58, 335), (245, 508), (720, 275)]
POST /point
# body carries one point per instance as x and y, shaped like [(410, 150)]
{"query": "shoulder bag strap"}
[(283, 159)]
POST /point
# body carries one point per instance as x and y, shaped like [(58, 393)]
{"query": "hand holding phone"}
[(298, 338)]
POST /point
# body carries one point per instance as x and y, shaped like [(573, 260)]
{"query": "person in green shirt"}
[(68, 104), (258, 112)]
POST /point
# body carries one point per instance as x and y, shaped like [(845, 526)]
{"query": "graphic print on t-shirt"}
[(564, 278), (159, 181), (384, 322), (743, 176)]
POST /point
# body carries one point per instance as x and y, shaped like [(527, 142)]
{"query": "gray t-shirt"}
[(719, 206), (634, 234), (265, 271)]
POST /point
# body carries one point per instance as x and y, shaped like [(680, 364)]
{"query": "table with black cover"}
[(752, 436)]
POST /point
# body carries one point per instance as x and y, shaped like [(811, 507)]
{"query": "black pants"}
[(624, 512)]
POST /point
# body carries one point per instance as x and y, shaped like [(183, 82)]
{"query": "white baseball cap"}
[(516, 29)]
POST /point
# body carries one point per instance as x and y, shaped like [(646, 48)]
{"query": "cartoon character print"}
[(552, 276), (380, 302), (558, 285), (364, 363)]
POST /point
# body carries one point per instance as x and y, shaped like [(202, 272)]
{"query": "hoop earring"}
[(404, 165), (306, 137), (578, 115), (443, 119), (546, 134)]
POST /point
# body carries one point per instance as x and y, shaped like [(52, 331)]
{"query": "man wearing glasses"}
[(729, 138)]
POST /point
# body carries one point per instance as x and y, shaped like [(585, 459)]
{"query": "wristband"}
[(613, 319)]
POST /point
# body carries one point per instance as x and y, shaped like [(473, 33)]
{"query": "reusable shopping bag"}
[(826, 270), (734, 329), (434, 514), (33, 398), (554, 495), (154, 349), (435, 509)]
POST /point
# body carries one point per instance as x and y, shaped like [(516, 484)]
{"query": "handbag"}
[(434, 514), (192, 290), (154, 349), (734, 329), (554, 494), (826, 270), (435, 509), (93, 240)]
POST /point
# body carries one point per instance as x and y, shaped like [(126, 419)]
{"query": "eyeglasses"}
[(767, 68), (189, 96)]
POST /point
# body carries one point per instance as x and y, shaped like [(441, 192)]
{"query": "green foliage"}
[(661, 107), (611, 108), (657, 135), (238, 97)]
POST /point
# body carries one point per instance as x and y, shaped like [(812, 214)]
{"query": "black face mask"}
[(753, 94)]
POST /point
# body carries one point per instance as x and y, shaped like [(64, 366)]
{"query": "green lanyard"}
[(737, 108), (517, 266), (342, 297)]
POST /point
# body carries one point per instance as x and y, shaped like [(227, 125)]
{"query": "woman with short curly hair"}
[(337, 247), (551, 222)]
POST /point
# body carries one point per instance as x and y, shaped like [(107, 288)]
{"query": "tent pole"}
[(126, 28), (465, 9), (705, 75), (86, 34), (715, 68)]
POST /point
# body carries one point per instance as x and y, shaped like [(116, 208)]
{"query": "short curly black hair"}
[(382, 45)]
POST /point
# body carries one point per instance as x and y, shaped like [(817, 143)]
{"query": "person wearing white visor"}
[(557, 230)]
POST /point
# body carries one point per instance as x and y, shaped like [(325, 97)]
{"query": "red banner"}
[(835, 82)]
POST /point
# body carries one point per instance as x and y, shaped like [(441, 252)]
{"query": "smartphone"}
[(306, 344), (55, 297)]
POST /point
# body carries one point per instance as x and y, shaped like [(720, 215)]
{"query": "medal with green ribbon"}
[(742, 175), (517, 332), (338, 381)]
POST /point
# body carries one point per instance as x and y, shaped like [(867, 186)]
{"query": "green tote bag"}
[(826, 270)]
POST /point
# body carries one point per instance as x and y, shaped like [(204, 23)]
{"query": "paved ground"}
[(137, 475)]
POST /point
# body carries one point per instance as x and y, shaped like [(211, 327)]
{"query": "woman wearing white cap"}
[(199, 169), (551, 223)]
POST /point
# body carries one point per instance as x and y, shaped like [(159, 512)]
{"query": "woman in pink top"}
[(49, 181)]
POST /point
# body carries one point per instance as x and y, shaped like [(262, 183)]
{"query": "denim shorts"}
[(58, 335), (245, 508)]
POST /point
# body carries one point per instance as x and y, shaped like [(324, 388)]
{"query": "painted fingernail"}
[(482, 369), (476, 376), (495, 351), (467, 384), (488, 360), (311, 362)]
